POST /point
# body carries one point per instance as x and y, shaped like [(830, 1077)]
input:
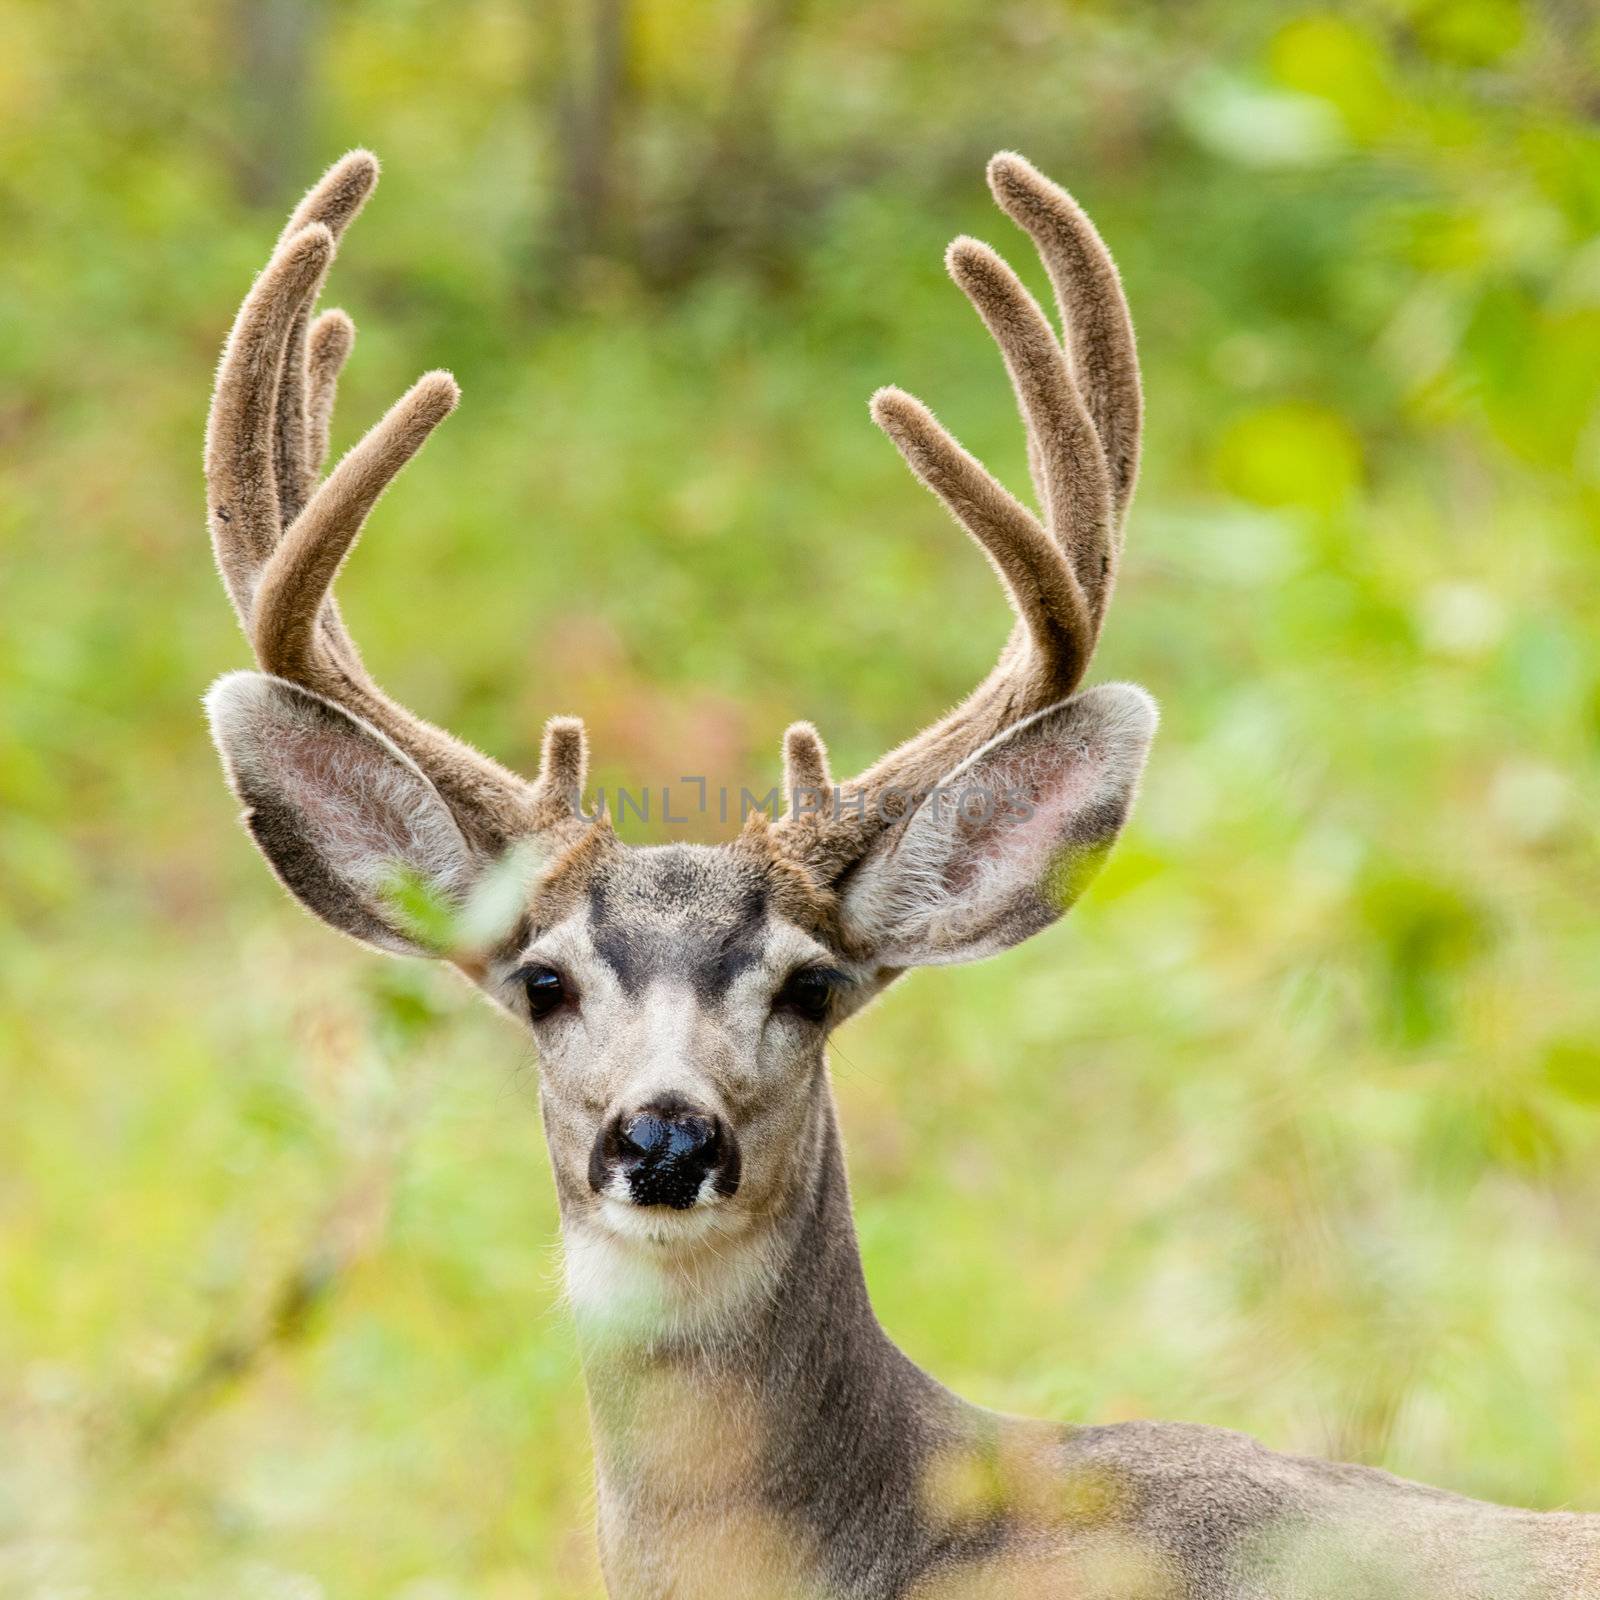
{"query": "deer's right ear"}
[(342, 815)]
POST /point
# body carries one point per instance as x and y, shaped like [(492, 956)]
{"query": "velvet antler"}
[(281, 537), (1081, 406)]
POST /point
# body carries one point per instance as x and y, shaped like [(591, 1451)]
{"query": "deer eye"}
[(806, 993), (545, 989)]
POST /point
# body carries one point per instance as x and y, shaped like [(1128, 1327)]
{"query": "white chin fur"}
[(661, 1224), (636, 1274)]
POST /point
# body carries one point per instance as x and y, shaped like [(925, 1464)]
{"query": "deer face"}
[(680, 996), (680, 1017)]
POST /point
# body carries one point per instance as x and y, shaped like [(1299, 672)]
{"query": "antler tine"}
[(1094, 310), (258, 443), (563, 771), (279, 543), (240, 469), (805, 769), (301, 570), (1072, 473), (335, 202), (328, 347), (1039, 582)]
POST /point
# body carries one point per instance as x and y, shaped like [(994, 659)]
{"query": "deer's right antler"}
[(280, 538), (1082, 409)]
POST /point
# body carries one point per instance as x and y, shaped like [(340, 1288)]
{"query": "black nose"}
[(650, 1136), (666, 1151)]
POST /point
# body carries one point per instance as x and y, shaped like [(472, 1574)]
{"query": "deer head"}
[(680, 996)]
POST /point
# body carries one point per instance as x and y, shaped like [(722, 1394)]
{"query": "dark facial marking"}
[(613, 943), (697, 917), (740, 950)]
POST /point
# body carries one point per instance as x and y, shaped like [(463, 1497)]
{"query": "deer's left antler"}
[(1080, 403)]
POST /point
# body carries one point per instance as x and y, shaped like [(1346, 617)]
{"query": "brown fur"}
[(1076, 487), (333, 337), (283, 622), (558, 891), (795, 893), (1042, 587), (302, 410), (243, 484), (805, 764), (1094, 311)]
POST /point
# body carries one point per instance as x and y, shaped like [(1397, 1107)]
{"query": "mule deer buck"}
[(757, 1433)]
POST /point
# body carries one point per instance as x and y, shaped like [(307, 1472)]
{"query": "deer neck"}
[(750, 1415)]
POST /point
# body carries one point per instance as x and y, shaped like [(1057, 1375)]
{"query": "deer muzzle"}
[(665, 1153)]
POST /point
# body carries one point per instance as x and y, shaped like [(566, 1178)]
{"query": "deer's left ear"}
[(1009, 839)]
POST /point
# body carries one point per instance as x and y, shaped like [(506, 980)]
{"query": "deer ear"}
[(1008, 840), (342, 815)]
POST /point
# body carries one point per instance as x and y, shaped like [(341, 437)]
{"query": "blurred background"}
[(1319, 1056)]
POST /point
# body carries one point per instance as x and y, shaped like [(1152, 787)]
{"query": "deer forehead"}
[(699, 920)]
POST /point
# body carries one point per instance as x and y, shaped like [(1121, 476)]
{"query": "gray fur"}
[(770, 1439), (678, 914), (856, 1435)]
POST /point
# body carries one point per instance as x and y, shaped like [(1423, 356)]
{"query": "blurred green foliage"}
[(1316, 1056)]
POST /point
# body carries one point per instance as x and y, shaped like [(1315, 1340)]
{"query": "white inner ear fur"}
[(1010, 837), (361, 803)]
